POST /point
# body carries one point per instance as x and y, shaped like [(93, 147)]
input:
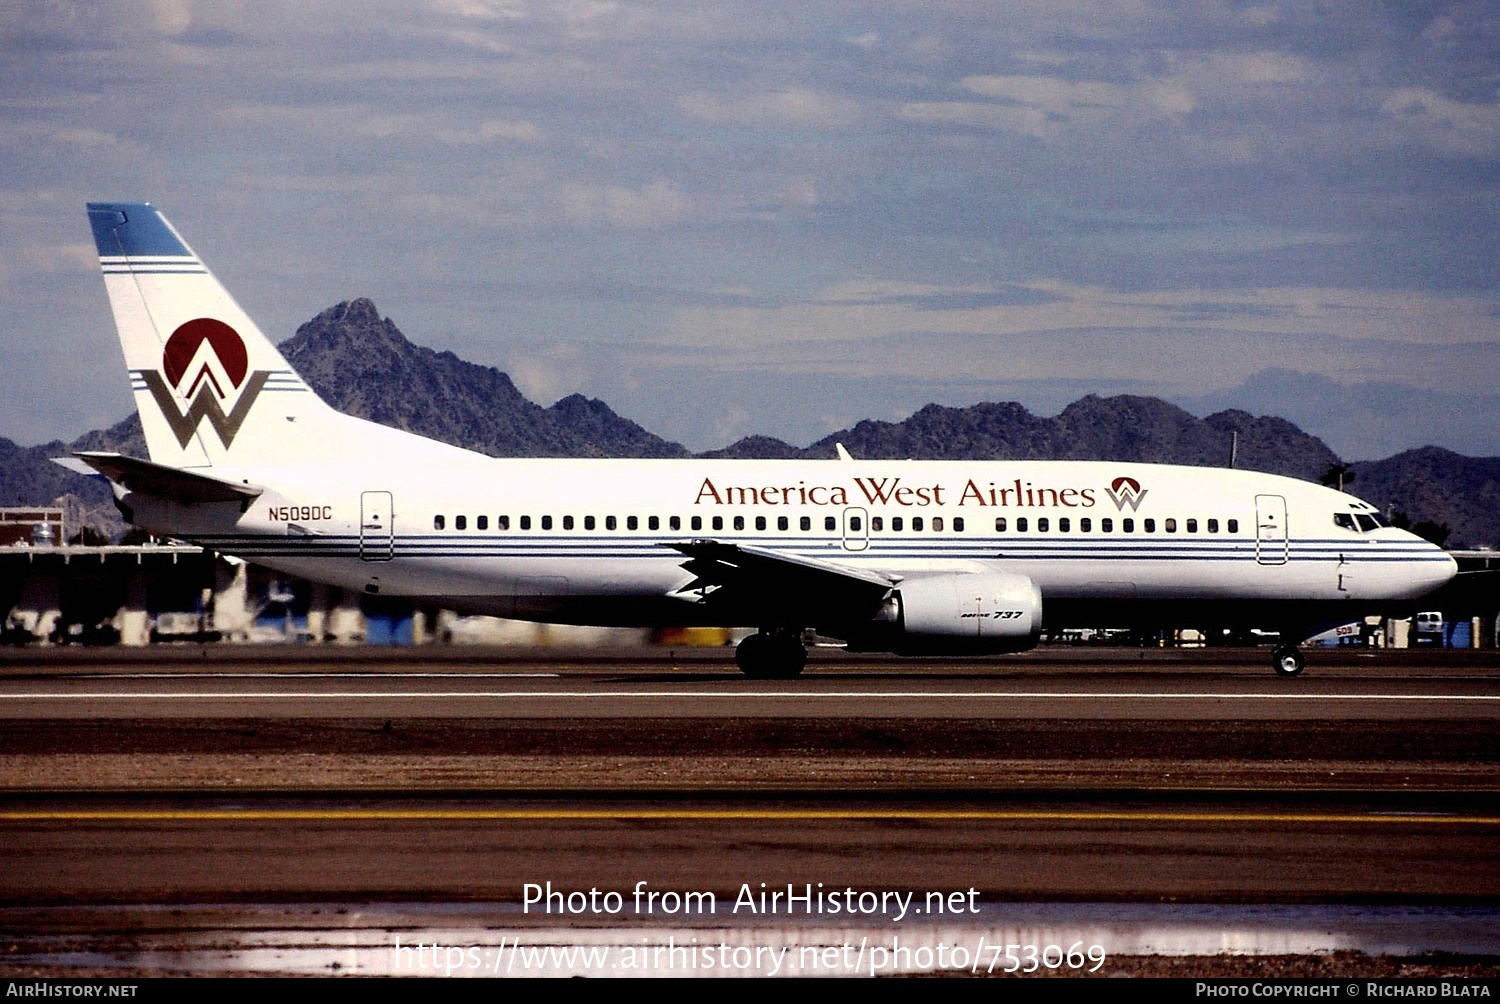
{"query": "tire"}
[(1288, 662), (771, 656)]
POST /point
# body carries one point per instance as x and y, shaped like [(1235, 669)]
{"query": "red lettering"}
[(876, 492)]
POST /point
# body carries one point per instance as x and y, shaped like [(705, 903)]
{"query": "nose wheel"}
[(1287, 661)]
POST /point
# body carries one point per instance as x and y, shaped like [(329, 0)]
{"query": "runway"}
[(432, 778)]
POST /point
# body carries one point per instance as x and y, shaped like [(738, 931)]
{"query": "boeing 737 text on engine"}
[(911, 557)]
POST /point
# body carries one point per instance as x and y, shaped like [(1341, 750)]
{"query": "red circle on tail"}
[(221, 338)]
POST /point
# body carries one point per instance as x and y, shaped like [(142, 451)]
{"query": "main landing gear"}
[(1287, 661), (771, 655)]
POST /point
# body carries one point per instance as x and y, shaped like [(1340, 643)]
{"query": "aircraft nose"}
[(1437, 573), (1450, 568)]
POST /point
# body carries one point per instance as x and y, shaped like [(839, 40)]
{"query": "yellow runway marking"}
[(770, 815)]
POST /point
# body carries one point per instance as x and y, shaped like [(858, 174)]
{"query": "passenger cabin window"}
[(1085, 524), (877, 523), (1043, 524), (674, 522), (855, 523), (502, 522), (760, 522), (1064, 524), (739, 522), (1234, 526), (830, 523), (653, 522), (897, 524), (482, 523), (782, 523), (588, 522), (697, 522), (1213, 526), (718, 522), (438, 522), (1148, 525), (937, 524), (999, 524), (805, 522), (460, 522), (610, 523), (916, 522), (958, 524), (632, 523), (546, 522), (1020, 524), (1170, 525), (1127, 525), (525, 522), (1192, 526), (1107, 525)]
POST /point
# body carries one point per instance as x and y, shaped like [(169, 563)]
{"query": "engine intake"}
[(967, 613)]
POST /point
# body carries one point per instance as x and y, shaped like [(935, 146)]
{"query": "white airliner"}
[(971, 557)]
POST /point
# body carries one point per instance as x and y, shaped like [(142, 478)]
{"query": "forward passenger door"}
[(1270, 530)]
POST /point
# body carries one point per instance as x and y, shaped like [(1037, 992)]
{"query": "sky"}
[(726, 219)]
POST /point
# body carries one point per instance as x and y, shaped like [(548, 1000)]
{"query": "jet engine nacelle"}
[(965, 613)]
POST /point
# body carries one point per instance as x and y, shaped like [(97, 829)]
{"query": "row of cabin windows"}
[(856, 524), (1107, 525), (898, 524)]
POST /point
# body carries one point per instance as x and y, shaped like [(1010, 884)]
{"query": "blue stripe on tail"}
[(133, 228)]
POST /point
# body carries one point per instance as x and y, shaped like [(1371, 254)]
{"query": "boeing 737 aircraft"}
[(904, 556)]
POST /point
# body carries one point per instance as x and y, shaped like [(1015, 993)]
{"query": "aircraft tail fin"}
[(210, 387)]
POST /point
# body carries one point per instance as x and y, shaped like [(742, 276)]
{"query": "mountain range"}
[(361, 363)]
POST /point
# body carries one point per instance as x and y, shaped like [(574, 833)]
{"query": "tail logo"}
[(205, 364), (1126, 492)]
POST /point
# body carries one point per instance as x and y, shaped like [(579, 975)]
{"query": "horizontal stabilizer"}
[(185, 487)]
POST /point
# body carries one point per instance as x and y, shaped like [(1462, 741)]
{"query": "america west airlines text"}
[(892, 491)]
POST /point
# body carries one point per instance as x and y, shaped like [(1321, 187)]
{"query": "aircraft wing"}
[(185, 487), (745, 577)]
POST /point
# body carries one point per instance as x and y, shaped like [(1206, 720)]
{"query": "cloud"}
[(67, 259), (1468, 129), (792, 107), (819, 194), (1047, 106), (864, 311), (493, 130), (657, 204), (483, 10)]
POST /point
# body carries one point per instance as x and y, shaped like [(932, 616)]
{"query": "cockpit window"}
[(1360, 522)]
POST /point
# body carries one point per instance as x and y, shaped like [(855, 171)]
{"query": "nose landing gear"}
[(1287, 661)]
